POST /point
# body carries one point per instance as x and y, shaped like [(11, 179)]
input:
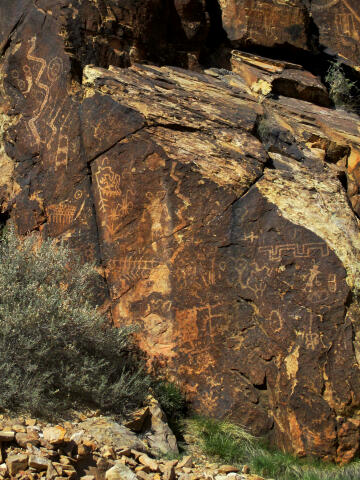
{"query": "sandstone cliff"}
[(221, 205)]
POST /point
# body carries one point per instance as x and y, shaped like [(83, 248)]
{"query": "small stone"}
[(149, 462), (3, 470), (70, 472), (38, 462), (228, 469), (142, 468), (136, 453), (185, 462), (30, 422), (103, 465), (220, 477), (187, 469), (16, 463), (120, 472), (87, 477), (54, 435), (124, 452), (169, 473), (130, 461), (58, 467), (108, 452), (51, 472), (77, 436), (65, 460), (83, 450), (7, 436), (142, 475), (22, 439), (18, 428), (157, 476)]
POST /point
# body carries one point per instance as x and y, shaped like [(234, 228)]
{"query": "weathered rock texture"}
[(308, 25), (221, 206)]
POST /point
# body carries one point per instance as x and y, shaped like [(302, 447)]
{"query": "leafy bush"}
[(343, 92), (56, 349), (229, 443)]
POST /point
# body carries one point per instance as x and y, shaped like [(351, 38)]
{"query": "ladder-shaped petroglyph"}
[(129, 270)]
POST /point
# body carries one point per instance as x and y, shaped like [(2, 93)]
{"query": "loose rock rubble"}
[(96, 448)]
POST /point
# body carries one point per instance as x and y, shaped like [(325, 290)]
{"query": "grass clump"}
[(174, 405), (228, 443), (57, 351), (342, 91)]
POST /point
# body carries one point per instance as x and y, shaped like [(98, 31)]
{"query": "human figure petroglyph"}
[(108, 183), (313, 279), (250, 236)]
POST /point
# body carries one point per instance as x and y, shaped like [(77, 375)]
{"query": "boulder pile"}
[(98, 448)]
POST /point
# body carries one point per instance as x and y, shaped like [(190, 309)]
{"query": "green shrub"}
[(343, 92), (56, 349)]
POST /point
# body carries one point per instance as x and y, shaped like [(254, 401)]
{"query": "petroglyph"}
[(323, 4), (62, 214), (45, 88), (306, 250), (108, 183), (199, 322), (129, 270)]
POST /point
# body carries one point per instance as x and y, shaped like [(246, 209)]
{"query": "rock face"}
[(222, 207), (301, 24)]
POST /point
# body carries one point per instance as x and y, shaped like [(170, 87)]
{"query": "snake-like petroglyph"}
[(42, 86)]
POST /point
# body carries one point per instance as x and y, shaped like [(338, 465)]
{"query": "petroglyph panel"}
[(298, 286), (267, 23), (339, 25)]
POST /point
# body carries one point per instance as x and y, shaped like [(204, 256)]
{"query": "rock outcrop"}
[(304, 25), (222, 206)]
